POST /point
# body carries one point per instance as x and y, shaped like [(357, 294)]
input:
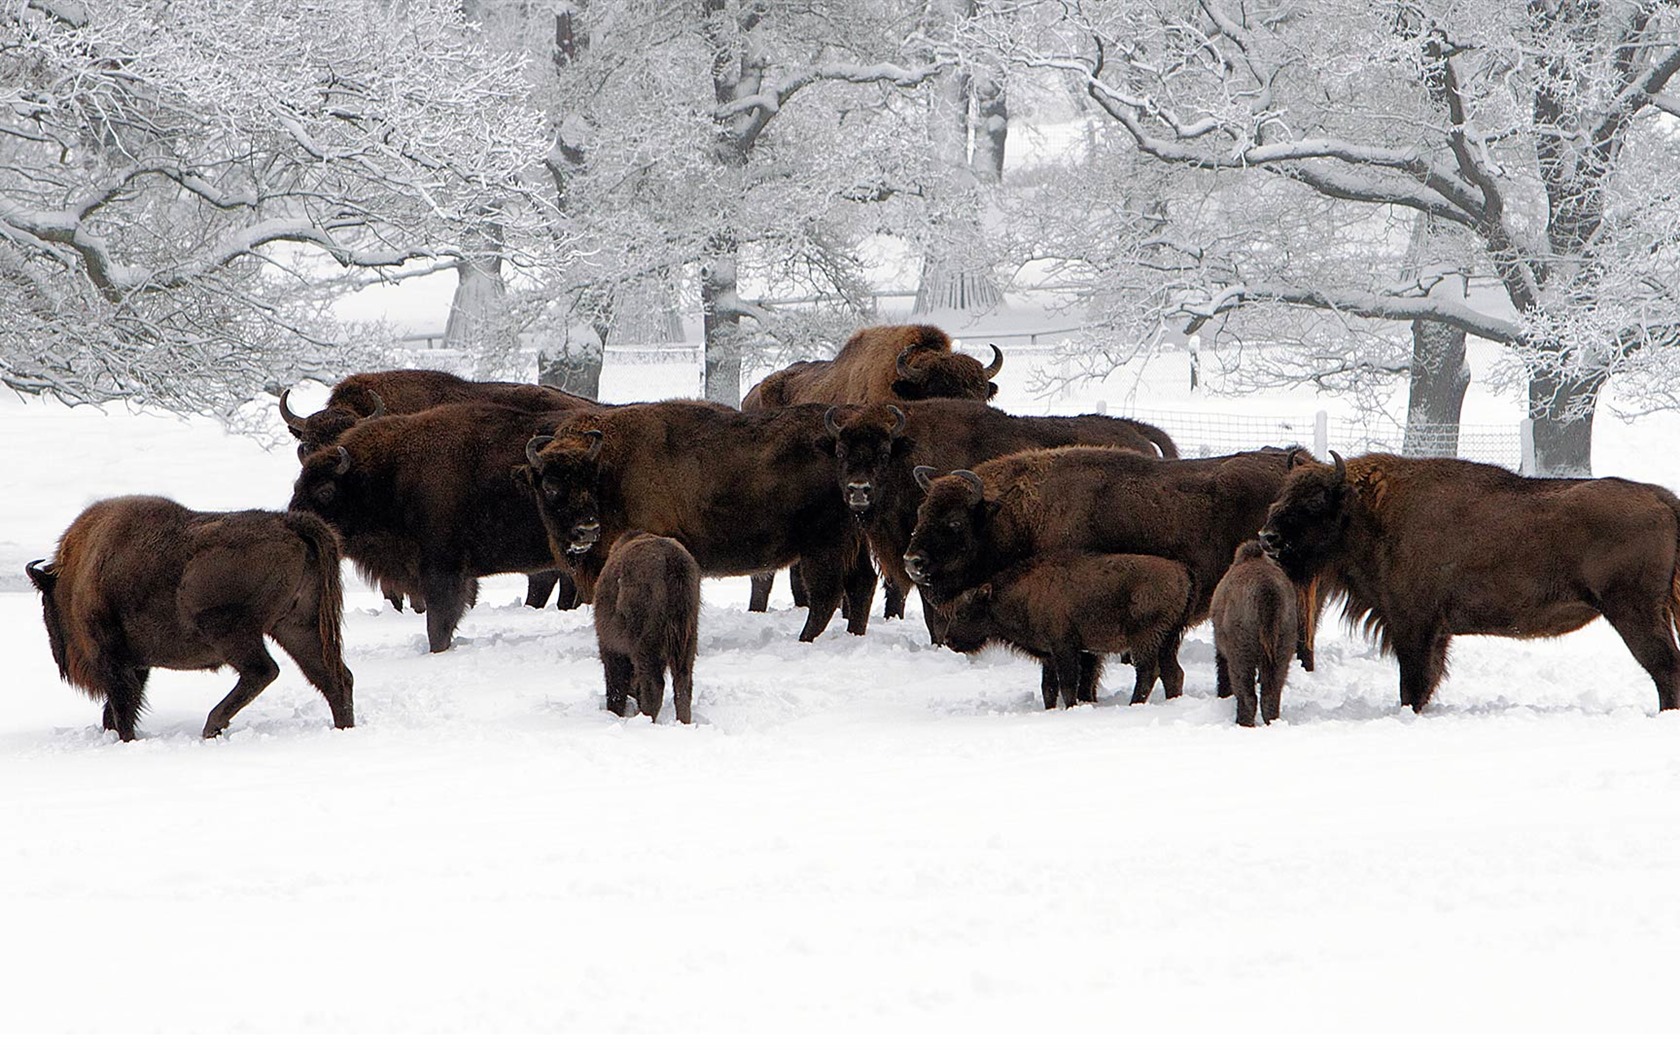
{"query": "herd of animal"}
[(1069, 538)]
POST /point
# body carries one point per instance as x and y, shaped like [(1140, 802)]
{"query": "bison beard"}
[(1424, 549), (141, 582), (743, 492)]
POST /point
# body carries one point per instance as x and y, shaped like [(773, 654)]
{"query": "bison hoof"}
[(212, 731)]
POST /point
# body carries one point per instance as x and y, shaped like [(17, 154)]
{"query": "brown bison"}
[(404, 391), (1068, 608), (140, 582), (879, 447), (1423, 549), (647, 619), (426, 503), (886, 363), (1255, 611), (743, 492), (974, 524)]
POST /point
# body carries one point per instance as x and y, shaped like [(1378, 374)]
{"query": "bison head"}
[(321, 429), (563, 472), (945, 553), (968, 625), (327, 485), (45, 579), (1306, 523), (867, 448), (925, 372)]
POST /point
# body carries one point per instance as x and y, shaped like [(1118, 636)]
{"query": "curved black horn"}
[(898, 421), (1289, 460), (997, 362), (1341, 467), (292, 418), (974, 482), (903, 360), (924, 476), (378, 405), (829, 424), (343, 461), (535, 445), (36, 572), (595, 439)]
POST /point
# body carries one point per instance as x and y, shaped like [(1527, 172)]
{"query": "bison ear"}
[(522, 478), (906, 391), (991, 390), (903, 446), (825, 445)]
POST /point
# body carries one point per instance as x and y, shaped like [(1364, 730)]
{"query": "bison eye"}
[(325, 492)]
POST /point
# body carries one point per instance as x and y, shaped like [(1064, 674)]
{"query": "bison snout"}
[(1270, 540), (858, 494), (584, 536), (916, 567)]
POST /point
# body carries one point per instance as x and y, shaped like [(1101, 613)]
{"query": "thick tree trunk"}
[(1562, 410), (991, 128), (575, 366), (720, 305), (1440, 377), (478, 315)]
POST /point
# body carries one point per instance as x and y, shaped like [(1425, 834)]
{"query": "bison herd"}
[(1068, 538)]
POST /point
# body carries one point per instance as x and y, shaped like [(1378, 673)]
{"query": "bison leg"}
[(649, 684), (895, 600), (393, 595), (620, 673), (824, 577), (241, 647), (1167, 666), (1067, 675), (125, 698), (860, 594), (1651, 641), (447, 595), (796, 583), (1147, 660), (937, 622), (1048, 683), (566, 592), (1422, 663), (302, 642), (1221, 675), (1311, 607), (1273, 671), (682, 692), (761, 586), (1090, 673), (538, 587)]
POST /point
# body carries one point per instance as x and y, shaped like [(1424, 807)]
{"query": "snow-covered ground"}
[(862, 834)]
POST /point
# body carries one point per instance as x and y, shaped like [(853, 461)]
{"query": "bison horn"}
[(36, 572), (343, 467), (378, 405), (534, 446), (898, 421), (1341, 467), (829, 424), (292, 418), (903, 365), (924, 476), (974, 482), (596, 438), (1289, 460), (997, 362)]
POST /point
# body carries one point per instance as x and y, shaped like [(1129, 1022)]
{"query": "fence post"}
[(1102, 408), (1321, 434), (1525, 431)]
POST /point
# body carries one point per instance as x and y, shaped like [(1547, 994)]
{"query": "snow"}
[(859, 835)]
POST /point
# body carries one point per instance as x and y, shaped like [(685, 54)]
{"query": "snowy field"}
[(859, 835)]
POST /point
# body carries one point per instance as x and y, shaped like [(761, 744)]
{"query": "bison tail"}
[(329, 611), (1160, 438)]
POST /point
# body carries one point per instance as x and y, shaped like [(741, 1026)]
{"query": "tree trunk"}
[(1440, 377), (478, 315), (576, 366), (1562, 410), (720, 304), (991, 128)]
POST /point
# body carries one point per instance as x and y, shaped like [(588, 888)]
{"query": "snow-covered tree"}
[(1278, 155), (180, 180)]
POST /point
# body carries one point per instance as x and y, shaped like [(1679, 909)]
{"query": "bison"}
[(886, 363), (647, 616), (426, 503), (1066, 607), (973, 524), (878, 448), (1425, 549), (743, 492), (140, 582), (404, 391), (1255, 610)]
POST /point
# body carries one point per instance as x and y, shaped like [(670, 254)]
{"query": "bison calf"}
[(141, 582), (1062, 607), (1254, 631), (647, 616)]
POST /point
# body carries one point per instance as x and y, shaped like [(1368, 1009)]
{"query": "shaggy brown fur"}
[(647, 619), (1424, 549), (1254, 611), (972, 525), (879, 447), (744, 492), (404, 391), (141, 582), (887, 363), (1063, 607), (426, 503)]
